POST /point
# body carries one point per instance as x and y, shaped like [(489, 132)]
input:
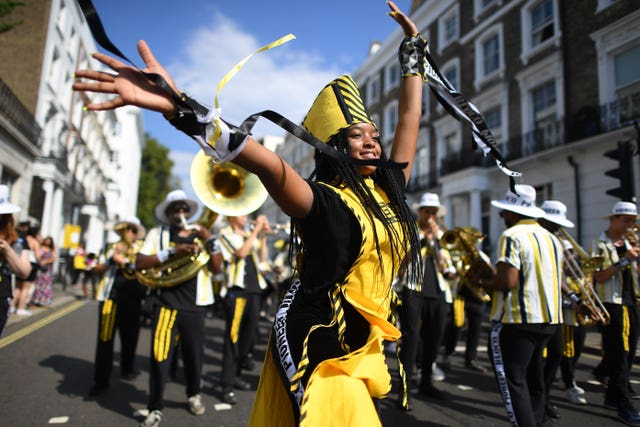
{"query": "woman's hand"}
[(130, 86), (407, 24)]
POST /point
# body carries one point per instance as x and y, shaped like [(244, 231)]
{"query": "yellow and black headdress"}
[(336, 107)]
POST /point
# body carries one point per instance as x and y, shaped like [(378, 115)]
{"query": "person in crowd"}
[(91, 277), (43, 293), (529, 269), (283, 271), (616, 283), (352, 220), (120, 305), (424, 310), (27, 232), (245, 254), (78, 266), (14, 260), (179, 308)]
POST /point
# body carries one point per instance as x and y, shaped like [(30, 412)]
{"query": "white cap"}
[(555, 211), (522, 203)]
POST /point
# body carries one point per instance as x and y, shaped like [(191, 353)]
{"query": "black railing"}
[(12, 109)]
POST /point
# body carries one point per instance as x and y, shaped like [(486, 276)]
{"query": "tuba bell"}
[(224, 189)]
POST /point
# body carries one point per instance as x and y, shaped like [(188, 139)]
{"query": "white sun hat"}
[(431, 200), (522, 203), (120, 225), (624, 208), (7, 207), (555, 211), (174, 197)]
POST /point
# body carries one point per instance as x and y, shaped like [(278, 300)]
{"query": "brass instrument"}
[(580, 272), (225, 189), (462, 241)]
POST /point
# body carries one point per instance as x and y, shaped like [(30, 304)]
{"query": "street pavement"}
[(47, 365)]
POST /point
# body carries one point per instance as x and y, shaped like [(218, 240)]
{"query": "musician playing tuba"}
[(565, 347), (616, 282), (178, 309), (120, 297)]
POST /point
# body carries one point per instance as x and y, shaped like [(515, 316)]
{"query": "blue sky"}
[(198, 41)]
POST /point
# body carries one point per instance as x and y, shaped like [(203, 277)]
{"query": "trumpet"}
[(274, 229), (579, 272)]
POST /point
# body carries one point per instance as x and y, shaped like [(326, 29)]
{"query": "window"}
[(451, 74), (544, 101), (626, 65), (618, 54), (491, 55), (541, 22), (448, 28), (480, 6), (373, 90), (603, 4), (540, 27), (392, 76), (390, 120), (493, 119), (489, 61)]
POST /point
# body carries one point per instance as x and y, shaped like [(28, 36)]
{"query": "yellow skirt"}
[(339, 391)]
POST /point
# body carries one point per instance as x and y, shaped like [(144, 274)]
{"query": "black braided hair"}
[(336, 172)]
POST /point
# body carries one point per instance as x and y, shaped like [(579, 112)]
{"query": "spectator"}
[(27, 232), (43, 293), (14, 262)]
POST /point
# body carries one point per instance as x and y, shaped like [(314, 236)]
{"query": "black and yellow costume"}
[(120, 296)]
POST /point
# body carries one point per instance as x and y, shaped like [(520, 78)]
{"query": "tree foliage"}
[(156, 179), (6, 7)]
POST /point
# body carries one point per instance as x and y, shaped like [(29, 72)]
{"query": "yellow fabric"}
[(458, 311), (79, 262), (339, 390), (237, 318), (337, 106), (272, 405)]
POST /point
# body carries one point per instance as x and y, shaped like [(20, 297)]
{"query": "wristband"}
[(164, 254), (216, 137), (412, 56), (574, 298), (624, 261), (212, 245)]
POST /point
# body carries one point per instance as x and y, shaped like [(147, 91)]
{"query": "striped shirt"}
[(611, 290), (538, 256)]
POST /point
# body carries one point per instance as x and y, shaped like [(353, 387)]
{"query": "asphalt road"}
[(46, 362)]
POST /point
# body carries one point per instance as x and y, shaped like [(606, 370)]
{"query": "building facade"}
[(558, 83), (65, 166)]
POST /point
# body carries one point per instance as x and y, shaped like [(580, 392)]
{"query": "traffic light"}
[(624, 172)]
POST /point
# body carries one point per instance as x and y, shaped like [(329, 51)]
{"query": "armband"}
[(624, 261), (216, 137), (574, 298), (212, 245), (412, 56), (164, 254)]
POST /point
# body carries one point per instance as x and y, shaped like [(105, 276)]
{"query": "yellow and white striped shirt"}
[(611, 290), (538, 256)]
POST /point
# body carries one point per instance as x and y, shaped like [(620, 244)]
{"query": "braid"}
[(340, 173)]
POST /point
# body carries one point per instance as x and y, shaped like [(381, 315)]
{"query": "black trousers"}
[(620, 338), (122, 315), (5, 303), (553, 358), (242, 313), (515, 352), (168, 326), (474, 312), (573, 338)]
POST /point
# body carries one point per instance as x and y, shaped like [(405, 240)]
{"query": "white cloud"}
[(282, 79)]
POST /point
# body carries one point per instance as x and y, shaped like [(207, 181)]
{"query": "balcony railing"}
[(14, 111), (552, 133)]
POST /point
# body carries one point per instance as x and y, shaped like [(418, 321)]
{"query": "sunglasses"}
[(133, 228), (177, 207)]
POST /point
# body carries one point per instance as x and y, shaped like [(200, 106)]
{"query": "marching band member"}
[(120, 296), (526, 305), (616, 283), (245, 255), (423, 313), (179, 310)]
